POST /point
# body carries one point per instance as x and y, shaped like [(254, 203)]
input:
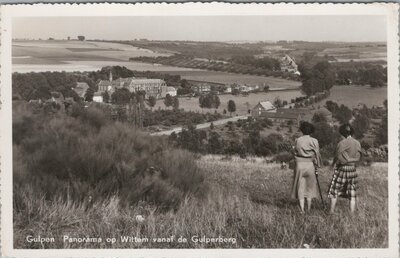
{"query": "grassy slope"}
[(248, 200)]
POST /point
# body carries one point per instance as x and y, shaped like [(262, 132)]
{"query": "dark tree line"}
[(361, 74), (31, 86), (267, 63)]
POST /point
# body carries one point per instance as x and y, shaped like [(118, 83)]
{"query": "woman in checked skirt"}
[(344, 181)]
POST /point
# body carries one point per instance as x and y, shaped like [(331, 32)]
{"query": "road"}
[(204, 125)]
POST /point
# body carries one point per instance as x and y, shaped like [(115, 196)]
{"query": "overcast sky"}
[(206, 28)]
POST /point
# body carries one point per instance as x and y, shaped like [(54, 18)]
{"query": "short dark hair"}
[(346, 130), (306, 128)]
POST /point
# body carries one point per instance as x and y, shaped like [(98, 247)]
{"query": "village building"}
[(81, 88), (98, 97), (228, 89), (104, 86), (172, 91), (288, 64), (266, 109), (263, 107), (152, 87), (56, 97), (202, 89), (205, 87)]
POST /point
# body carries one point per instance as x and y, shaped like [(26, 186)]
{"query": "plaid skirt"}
[(344, 182)]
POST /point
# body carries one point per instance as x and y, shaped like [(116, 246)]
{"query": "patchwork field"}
[(63, 55)]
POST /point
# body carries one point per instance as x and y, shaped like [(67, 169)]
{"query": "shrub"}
[(61, 156), (284, 157)]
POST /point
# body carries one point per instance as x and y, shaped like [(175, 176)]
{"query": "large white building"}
[(153, 87)]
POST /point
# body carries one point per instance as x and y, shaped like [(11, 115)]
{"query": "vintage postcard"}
[(199, 130)]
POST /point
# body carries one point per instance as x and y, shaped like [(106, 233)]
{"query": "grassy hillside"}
[(247, 200)]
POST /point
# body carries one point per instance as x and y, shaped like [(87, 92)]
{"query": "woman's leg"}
[(301, 202), (352, 204), (309, 200), (333, 204)]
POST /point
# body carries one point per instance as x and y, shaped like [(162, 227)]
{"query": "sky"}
[(349, 28)]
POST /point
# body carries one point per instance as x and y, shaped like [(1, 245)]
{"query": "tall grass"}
[(247, 200)]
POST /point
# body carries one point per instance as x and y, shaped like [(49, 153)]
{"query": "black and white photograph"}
[(198, 127)]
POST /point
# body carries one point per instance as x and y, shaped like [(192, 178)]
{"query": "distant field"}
[(359, 53), (352, 96), (63, 55), (229, 78), (243, 103)]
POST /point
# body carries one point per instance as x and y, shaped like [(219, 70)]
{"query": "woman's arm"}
[(318, 159)]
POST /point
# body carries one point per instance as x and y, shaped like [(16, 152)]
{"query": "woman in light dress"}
[(308, 161)]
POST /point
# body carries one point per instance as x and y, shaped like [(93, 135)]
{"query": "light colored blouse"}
[(348, 151), (308, 147)]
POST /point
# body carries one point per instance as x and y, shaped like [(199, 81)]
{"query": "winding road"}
[(204, 125)]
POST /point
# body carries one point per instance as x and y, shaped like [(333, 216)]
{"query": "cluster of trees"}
[(209, 101), (361, 74), (382, 131), (123, 72), (123, 96), (212, 142), (177, 117), (250, 141), (342, 113), (267, 63), (361, 119), (30, 86), (317, 78), (170, 101), (310, 100)]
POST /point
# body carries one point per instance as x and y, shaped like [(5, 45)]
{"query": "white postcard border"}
[(200, 9)]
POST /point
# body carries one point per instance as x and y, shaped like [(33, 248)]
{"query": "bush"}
[(61, 156), (284, 157)]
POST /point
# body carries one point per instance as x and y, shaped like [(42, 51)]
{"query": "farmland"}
[(357, 53), (62, 55), (243, 103), (248, 201), (353, 95), (229, 78), (347, 95)]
